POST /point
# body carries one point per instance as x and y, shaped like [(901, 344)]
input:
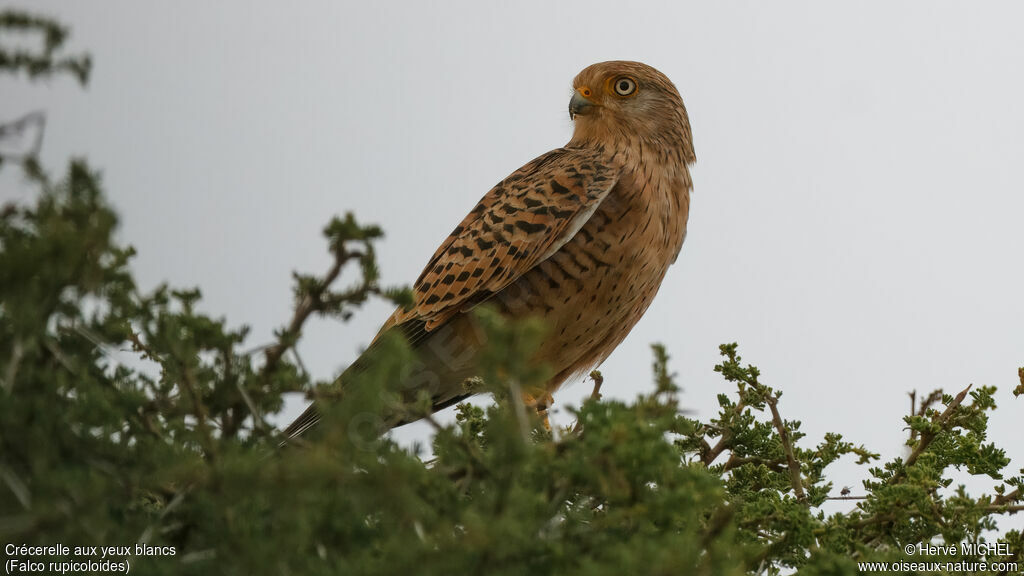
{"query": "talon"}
[(540, 404)]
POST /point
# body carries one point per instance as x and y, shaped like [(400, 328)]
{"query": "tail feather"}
[(446, 357)]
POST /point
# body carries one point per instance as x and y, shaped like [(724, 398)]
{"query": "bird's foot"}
[(540, 403)]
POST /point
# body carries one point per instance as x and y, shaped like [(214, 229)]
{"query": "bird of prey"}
[(581, 236)]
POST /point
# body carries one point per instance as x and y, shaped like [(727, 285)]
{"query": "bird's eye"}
[(624, 86)]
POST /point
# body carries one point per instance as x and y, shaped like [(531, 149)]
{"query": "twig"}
[(595, 395), (258, 348), (471, 449), (913, 410), (257, 417), (17, 487), (59, 356), (735, 461), (88, 335), (299, 362), (794, 466), (847, 498), (12, 367), (174, 503), (917, 513), (429, 419), (704, 446), (598, 379), (146, 351), (716, 524), (868, 521), (935, 396), (928, 437), (1006, 498), (926, 403), (310, 303), (520, 409), (724, 440), (16, 128), (188, 382), (147, 424)]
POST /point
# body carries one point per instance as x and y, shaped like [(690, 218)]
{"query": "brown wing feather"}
[(521, 222), (515, 226)]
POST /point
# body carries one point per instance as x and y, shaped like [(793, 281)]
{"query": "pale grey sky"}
[(855, 223)]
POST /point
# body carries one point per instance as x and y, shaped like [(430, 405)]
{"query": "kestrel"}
[(581, 236)]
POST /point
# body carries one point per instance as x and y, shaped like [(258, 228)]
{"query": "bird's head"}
[(619, 102)]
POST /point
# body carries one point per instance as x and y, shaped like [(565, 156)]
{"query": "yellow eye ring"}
[(624, 86)]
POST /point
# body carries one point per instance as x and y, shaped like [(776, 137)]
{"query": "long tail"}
[(445, 358)]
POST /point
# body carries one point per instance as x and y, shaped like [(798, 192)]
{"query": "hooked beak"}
[(580, 105)]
